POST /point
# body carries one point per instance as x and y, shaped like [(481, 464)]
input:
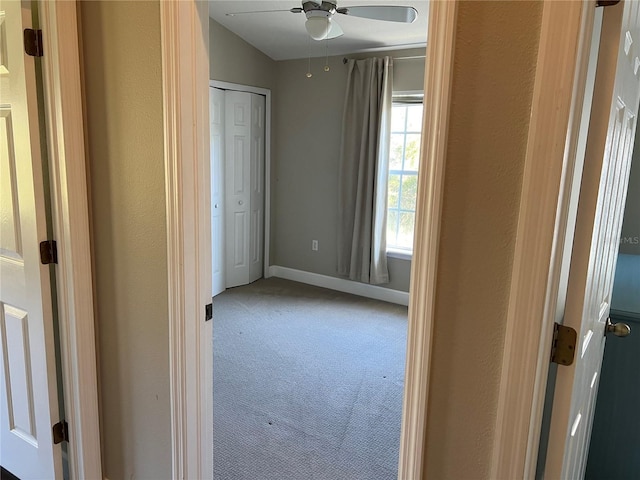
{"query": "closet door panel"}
[(237, 186), (257, 187)]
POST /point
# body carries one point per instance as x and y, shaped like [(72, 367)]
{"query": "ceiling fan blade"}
[(394, 13), (292, 10), (335, 31)]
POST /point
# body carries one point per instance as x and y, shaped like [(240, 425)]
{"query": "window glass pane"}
[(398, 116), (405, 231), (414, 119), (404, 159), (395, 155), (409, 190), (412, 152), (394, 191), (392, 225)]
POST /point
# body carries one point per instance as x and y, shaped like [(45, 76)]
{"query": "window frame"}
[(406, 97)]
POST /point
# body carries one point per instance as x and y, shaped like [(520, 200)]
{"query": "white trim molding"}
[(70, 211), (544, 233), (185, 81), (239, 87), (340, 285), (438, 80)]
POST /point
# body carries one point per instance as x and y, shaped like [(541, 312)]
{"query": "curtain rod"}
[(345, 59)]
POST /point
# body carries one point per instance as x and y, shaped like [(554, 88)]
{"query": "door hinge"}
[(48, 252), (563, 348), (606, 3), (208, 312), (33, 42), (61, 432)]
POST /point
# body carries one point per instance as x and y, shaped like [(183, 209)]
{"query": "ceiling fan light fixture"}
[(318, 26)]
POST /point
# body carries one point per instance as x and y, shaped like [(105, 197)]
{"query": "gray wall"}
[(630, 241), (626, 286), (305, 149), (308, 128), (304, 204), (123, 95)]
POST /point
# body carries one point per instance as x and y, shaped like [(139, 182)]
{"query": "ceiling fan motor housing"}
[(328, 7), (318, 22)]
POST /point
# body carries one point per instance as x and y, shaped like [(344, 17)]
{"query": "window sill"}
[(401, 254)]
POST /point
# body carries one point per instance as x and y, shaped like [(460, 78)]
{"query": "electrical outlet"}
[(314, 245)]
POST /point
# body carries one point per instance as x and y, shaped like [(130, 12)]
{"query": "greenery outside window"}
[(404, 158)]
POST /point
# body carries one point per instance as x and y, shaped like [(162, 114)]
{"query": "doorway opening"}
[(307, 380)]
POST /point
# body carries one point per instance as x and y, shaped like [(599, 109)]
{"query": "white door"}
[(256, 235), (244, 165), (28, 398), (216, 133), (237, 186), (598, 227)]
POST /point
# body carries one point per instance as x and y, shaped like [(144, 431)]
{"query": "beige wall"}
[(122, 69), (494, 68)]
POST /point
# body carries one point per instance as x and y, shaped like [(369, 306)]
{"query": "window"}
[(404, 157)]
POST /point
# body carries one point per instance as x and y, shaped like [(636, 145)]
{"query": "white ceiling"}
[(282, 35)]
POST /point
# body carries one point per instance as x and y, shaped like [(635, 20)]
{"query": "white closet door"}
[(256, 237), (244, 138), (216, 132), (237, 186)]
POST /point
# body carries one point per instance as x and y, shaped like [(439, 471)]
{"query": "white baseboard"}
[(340, 284)]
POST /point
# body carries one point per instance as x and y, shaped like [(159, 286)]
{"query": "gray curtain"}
[(364, 166)]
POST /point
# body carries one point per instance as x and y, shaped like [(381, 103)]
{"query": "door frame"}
[(561, 68), (185, 58), (184, 41), (61, 65), (267, 160), (438, 80)]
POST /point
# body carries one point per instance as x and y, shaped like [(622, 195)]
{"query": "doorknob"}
[(618, 329), (240, 202)]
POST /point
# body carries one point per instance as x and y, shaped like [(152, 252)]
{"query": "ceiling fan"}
[(319, 13)]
